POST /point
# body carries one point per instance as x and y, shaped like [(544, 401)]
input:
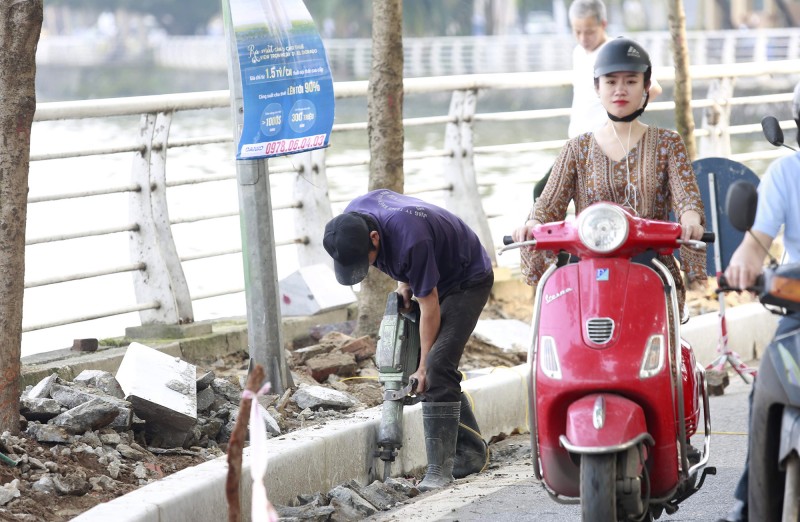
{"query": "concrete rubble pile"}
[(349, 502), (160, 405)]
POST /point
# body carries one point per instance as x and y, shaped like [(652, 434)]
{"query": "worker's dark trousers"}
[(460, 309)]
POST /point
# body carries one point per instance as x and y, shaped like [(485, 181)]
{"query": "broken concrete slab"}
[(148, 378)]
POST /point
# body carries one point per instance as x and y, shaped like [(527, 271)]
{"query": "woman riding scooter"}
[(641, 167)]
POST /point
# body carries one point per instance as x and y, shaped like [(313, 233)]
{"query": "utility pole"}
[(264, 335)]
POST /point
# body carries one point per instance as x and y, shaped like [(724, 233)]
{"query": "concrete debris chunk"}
[(74, 484), (227, 389), (205, 380), (205, 398), (70, 396), (402, 485), (306, 513), (381, 495), (316, 397), (348, 503), (362, 348), (341, 364), (144, 374), (49, 433), (91, 415), (42, 388), (9, 492), (273, 428), (37, 409), (102, 381)]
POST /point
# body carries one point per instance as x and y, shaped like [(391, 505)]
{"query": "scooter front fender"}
[(790, 433), (604, 423)]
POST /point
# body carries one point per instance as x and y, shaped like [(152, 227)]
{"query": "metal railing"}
[(160, 291), (439, 56)]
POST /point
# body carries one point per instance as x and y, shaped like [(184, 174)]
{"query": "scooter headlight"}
[(654, 356), (602, 228), (548, 357)]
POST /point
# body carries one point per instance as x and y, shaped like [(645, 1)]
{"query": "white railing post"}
[(463, 199), (162, 279), (311, 192), (716, 120)]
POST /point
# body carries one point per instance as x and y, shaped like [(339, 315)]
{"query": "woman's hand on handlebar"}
[(524, 233), (691, 227)]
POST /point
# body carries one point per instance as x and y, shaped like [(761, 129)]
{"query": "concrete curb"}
[(319, 458), (314, 459)]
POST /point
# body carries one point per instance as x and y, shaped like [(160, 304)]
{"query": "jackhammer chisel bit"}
[(397, 358)]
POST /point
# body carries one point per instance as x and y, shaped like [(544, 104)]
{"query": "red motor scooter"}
[(614, 393)]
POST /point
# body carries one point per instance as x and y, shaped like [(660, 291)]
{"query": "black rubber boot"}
[(472, 452), (440, 422)]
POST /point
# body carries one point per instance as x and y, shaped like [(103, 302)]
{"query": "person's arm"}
[(429, 322), (654, 91), (747, 260)]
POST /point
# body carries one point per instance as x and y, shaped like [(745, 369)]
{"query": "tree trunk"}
[(385, 130), (20, 26), (684, 119)]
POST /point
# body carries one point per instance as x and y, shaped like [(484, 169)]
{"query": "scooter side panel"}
[(632, 296)]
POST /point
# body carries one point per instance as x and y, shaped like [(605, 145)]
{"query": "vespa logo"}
[(549, 298)]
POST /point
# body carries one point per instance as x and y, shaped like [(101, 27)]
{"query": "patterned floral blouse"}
[(663, 178)]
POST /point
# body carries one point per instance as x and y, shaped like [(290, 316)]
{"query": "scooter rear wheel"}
[(598, 488)]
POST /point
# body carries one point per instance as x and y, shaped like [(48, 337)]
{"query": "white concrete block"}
[(313, 289), (161, 388)]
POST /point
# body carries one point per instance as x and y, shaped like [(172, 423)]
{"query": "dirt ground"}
[(84, 467)]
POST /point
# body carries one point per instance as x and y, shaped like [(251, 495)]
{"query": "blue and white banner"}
[(286, 82)]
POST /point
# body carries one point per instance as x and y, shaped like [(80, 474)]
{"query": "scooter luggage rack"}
[(726, 355)]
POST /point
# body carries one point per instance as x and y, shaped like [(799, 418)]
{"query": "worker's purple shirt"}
[(421, 244)]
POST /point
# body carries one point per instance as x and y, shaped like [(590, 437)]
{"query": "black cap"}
[(347, 241), (621, 55)]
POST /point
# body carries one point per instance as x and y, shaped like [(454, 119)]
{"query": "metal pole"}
[(264, 335)]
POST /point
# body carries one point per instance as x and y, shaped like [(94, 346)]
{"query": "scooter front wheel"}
[(598, 488), (791, 494)]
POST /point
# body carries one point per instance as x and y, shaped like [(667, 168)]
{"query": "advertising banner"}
[(286, 82)]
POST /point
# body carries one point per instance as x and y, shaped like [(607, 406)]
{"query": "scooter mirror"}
[(772, 130), (741, 204)]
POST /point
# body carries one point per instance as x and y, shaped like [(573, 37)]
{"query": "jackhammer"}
[(397, 358)]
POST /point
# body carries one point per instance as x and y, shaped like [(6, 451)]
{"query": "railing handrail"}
[(150, 150)]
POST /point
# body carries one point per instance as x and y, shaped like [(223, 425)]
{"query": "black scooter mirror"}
[(741, 204), (772, 130)]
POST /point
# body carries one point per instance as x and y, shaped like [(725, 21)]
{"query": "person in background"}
[(439, 261), (589, 22), (777, 195), (643, 168)]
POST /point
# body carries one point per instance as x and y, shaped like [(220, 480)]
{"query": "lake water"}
[(512, 177)]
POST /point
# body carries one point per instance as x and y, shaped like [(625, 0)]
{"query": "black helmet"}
[(622, 54)]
